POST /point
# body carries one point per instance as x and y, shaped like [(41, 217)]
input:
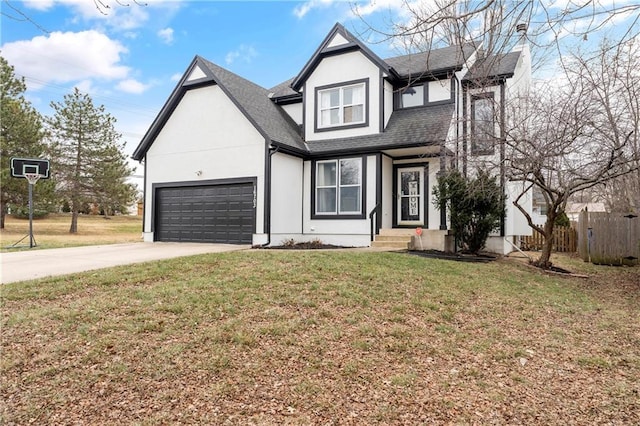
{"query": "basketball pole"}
[(31, 239)]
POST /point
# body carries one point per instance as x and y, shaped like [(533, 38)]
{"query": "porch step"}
[(393, 238)]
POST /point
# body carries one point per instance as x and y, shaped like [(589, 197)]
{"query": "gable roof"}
[(252, 100), (433, 62), (406, 128), (493, 67), (413, 65), (326, 48)]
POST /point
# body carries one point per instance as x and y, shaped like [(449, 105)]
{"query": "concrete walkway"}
[(35, 263)]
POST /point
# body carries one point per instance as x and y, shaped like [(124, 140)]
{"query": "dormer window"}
[(343, 105), (412, 96)]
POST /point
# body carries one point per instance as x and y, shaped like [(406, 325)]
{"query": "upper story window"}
[(412, 96), (342, 105), (483, 127)]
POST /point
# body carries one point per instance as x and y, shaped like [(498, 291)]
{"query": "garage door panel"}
[(211, 213)]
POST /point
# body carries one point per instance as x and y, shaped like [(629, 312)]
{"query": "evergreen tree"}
[(89, 162), (21, 135)]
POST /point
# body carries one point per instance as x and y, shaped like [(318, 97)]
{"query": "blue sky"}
[(129, 58)]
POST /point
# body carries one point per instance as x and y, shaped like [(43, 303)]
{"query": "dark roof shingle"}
[(503, 65), (255, 101), (406, 128)]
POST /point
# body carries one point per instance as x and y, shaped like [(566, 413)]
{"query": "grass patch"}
[(53, 231), (308, 337)]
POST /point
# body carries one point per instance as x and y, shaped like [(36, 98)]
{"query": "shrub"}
[(476, 206)]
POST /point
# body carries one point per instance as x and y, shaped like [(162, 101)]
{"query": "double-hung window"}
[(483, 128), (338, 188), (342, 106)]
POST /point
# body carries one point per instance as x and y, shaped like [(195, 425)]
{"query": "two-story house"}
[(348, 149)]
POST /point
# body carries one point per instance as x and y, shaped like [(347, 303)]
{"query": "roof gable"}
[(252, 100), (338, 41)]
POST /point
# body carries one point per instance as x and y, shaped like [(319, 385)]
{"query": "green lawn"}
[(323, 337), (53, 231)]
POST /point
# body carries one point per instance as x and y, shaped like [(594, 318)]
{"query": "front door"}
[(410, 209)]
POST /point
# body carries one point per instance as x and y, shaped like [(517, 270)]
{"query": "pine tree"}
[(89, 163), (21, 135)]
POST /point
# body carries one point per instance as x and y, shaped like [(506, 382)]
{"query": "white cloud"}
[(302, 9), (244, 52), (176, 77), (166, 35), (131, 85), (115, 14), (67, 57)]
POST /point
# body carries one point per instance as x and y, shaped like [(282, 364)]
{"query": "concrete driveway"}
[(32, 264)]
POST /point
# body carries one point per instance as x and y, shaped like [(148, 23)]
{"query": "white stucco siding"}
[(347, 232), (516, 223), (348, 67), (388, 200), (286, 194), (388, 102), (206, 138), (294, 111), (439, 90), (518, 85), (432, 180)]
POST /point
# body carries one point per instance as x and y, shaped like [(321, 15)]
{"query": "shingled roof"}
[(432, 62), (254, 100), (494, 66), (406, 128)]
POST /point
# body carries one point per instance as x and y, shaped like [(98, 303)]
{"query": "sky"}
[(129, 58), (129, 54)]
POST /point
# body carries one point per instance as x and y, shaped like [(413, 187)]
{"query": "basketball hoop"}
[(32, 178)]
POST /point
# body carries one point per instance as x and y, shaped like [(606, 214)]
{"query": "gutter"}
[(267, 193)]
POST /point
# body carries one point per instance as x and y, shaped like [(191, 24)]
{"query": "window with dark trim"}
[(412, 96), (342, 105), (339, 188), (483, 124)]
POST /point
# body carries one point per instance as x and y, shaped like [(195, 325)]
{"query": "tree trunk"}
[(3, 213), (74, 222), (544, 262)]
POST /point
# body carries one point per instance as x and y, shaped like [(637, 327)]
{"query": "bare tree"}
[(574, 136), (615, 80), (491, 23)]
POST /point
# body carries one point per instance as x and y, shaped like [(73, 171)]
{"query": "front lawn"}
[(323, 337)]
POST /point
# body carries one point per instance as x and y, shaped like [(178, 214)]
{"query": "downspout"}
[(144, 196), (267, 194), (457, 97), (502, 152)]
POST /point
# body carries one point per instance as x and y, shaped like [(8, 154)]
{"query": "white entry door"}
[(410, 209)]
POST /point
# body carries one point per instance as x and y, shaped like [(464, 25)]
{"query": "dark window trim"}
[(192, 183), (316, 107), (474, 148), (397, 101), (425, 197), (363, 186)]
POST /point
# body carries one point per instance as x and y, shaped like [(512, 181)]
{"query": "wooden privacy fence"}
[(609, 238), (565, 239)]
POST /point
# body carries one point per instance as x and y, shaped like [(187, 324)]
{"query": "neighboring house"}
[(353, 143), (573, 209)]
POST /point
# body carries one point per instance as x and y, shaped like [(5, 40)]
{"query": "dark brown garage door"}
[(205, 214)]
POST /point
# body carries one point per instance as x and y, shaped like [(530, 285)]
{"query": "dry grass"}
[(53, 231), (318, 337)]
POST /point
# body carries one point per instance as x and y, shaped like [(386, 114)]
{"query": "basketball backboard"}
[(22, 166)]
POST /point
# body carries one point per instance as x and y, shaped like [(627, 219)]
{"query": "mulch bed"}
[(459, 257)]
